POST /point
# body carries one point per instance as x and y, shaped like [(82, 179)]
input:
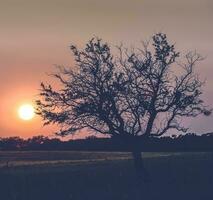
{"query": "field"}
[(104, 176)]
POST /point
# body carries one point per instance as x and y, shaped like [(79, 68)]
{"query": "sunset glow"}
[(26, 112), (36, 36)]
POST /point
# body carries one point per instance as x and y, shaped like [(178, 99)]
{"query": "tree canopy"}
[(134, 92)]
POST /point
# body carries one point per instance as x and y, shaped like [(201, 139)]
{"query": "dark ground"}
[(104, 176)]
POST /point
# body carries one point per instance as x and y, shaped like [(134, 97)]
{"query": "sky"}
[(36, 34)]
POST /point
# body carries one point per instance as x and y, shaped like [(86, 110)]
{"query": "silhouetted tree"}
[(137, 93), (37, 141), (11, 143)]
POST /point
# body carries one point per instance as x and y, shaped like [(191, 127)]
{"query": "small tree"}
[(138, 93)]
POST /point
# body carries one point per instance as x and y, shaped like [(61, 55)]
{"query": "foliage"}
[(188, 142), (138, 92)]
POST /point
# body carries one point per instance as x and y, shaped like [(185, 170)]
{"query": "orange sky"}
[(36, 34)]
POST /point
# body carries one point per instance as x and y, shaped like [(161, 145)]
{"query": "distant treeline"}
[(188, 142)]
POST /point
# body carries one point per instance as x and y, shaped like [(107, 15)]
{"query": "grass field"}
[(104, 176)]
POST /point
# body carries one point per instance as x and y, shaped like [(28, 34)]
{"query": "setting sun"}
[(26, 112)]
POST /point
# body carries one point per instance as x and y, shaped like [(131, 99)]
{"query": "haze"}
[(36, 34)]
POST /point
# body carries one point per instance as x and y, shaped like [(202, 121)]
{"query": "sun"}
[(26, 112)]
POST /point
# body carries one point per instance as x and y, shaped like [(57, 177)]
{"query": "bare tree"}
[(138, 93)]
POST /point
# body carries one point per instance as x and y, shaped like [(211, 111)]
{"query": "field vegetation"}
[(66, 175)]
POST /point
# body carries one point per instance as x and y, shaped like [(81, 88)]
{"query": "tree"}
[(137, 93), (11, 143)]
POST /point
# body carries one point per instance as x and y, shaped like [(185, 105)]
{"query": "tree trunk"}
[(141, 172)]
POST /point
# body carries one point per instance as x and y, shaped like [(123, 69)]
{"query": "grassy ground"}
[(104, 176)]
